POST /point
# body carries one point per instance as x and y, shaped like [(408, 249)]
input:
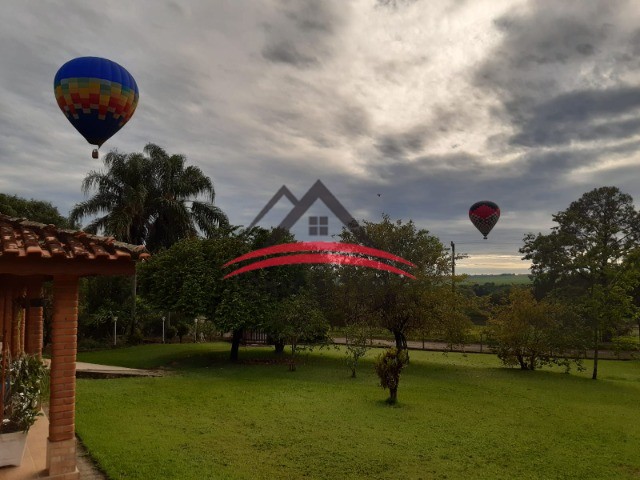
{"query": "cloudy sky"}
[(434, 105)]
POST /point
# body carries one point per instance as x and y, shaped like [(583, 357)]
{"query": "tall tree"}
[(149, 198), (531, 333), (34, 210), (398, 303), (584, 259), (188, 278)]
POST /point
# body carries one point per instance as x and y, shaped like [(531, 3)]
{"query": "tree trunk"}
[(353, 372), (523, 364), (401, 342), (393, 396), (596, 346), (134, 287), (235, 344), (292, 362), (595, 353), (279, 346)]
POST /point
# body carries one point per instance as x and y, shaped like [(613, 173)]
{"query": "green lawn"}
[(458, 417)]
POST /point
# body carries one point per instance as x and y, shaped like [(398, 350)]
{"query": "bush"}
[(26, 383), (136, 338), (170, 333), (388, 366), (181, 330)]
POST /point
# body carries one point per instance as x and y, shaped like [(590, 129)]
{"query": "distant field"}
[(502, 279)]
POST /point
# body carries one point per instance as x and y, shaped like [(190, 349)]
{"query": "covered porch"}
[(32, 254)]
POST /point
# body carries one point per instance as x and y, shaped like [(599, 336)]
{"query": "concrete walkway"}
[(93, 370)]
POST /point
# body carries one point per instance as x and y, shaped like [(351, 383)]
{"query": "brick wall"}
[(61, 452)]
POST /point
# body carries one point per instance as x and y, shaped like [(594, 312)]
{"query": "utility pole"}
[(453, 267)]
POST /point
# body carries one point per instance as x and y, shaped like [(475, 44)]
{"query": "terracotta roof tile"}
[(20, 237)]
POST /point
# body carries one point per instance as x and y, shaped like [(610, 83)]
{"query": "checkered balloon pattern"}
[(484, 215), (97, 96)]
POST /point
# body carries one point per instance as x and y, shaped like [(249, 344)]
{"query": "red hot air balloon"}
[(484, 215)]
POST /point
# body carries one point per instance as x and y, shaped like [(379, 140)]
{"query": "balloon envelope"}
[(97, 96), (484, 215)]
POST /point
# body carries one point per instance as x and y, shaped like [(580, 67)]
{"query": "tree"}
[(149, 198), (188, 278), (584, 259), (34, 210), (297, 321), (389, 366), (531, 333), (357, 336), (399, 303)]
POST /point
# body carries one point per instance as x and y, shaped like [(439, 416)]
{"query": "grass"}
[(458, 417)]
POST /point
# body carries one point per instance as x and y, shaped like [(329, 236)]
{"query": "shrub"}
[(170, 333), (181, 330), (26, 383), (136, 338), (388, 366)]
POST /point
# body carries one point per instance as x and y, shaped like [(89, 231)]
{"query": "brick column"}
[(61, 448), (34, 324), (16, 331), (3, 293), (8, 319)]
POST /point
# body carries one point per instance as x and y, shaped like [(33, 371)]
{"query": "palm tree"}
[(176, 211), (149, 199)]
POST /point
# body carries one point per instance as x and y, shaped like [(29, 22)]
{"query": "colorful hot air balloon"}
[(98, 97), (484, 215)]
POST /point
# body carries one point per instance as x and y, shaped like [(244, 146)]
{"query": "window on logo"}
[(319, 226)]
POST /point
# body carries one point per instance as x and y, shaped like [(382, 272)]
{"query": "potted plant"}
[(24, 379)]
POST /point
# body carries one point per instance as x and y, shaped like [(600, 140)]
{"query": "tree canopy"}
[(586, 259), (397, 303), (34, 210), (149, 198)]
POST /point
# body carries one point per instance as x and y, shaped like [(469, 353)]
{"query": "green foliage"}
[(357, 335), (297, 321), (149, 198), (102, 299), (26, 382), (388, 367), (625, 344), (170, 333), (588, 259), (189, 278), (34, 210), (181, 330), (136, 338), (531, 333), (399, 304)]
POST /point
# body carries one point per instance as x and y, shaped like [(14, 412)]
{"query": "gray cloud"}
[(560, 63), (432, 105), (400, 145), (300, 33), (582, 115)]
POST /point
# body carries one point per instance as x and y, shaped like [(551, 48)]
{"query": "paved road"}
[(475, 348)]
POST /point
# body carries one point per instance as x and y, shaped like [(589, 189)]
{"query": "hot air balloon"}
[(97, 96), (484, 215)]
